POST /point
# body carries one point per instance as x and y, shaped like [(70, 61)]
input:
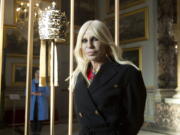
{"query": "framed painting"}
[(134, 26), (15, 41), (19, 74), (21, 56), (134, 55), (129, 3), (110, 4)]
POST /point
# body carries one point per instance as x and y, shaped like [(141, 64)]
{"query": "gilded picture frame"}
[(110, 4), (20, 56), (134, 26), (129, 3), (19, 74), (134, 55)]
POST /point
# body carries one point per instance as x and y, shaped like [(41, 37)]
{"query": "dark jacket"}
[(113, 103)]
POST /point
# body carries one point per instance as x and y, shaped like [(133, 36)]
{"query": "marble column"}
[(167, 63), (177, 37), (166, 109), (172, 105)]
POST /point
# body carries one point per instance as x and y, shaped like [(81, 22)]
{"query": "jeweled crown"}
[(52, 24)]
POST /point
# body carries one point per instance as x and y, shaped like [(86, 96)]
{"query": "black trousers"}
[(105, 130), (36, 124)]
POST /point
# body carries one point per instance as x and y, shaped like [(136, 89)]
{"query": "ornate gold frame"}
[(146, 26), (20, 55), (13, 81), (4, 33), (130, 4), (139, 49)]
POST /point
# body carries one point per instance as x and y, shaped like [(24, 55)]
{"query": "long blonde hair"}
[(102, 33)]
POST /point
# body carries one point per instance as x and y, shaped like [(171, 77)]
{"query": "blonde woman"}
[(109, 92)]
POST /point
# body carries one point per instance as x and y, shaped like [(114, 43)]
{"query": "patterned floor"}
[(60, 129)]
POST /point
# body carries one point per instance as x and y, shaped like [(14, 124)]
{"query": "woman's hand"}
[(36, 93)]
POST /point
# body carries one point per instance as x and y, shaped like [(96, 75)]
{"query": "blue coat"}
[(42, 101)]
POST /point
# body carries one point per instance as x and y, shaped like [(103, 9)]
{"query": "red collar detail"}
[(90, 74)]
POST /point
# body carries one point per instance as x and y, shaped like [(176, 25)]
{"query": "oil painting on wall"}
[(19, 74), (133, 26), (130, 3), (134, 55), (110, 4), (15, 42)]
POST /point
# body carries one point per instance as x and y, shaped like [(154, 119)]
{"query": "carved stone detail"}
[(168, 116)]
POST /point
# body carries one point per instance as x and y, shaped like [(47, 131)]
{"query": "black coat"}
[(113, 103)]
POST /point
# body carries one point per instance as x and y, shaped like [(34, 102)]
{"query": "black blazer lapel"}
[(81, 83), (106, 73)]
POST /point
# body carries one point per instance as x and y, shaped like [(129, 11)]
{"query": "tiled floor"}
[(60, 129)]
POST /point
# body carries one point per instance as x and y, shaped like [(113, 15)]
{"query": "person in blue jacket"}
[(39, 105)]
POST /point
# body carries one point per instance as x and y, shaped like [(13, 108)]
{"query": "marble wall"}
[(166, 116), (167, 71)]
